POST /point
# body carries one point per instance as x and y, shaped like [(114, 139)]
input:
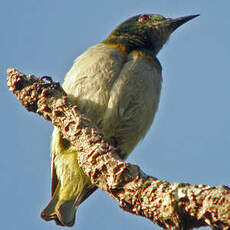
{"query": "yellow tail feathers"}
[(63, 212)]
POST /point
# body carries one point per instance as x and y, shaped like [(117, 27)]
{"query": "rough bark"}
[(171, 206)]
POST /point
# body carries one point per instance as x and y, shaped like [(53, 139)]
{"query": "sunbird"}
[(117, 84)]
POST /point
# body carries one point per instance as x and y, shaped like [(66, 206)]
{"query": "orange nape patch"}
[(149, 58), (120, 47)]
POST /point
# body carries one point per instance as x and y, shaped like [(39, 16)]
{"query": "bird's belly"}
[(133, 102)]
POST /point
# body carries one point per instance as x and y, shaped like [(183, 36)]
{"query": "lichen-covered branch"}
[(171, 206)]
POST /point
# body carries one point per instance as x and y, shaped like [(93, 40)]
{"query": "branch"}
[(171, 206)]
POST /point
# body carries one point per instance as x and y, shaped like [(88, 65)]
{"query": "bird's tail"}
[(63, 211), (70, 185)]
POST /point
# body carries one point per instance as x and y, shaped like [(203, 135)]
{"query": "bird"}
[(117, 84)]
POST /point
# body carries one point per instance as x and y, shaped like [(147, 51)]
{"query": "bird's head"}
[(146, 31)]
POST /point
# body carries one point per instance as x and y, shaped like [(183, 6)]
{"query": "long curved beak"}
[(177, 22)]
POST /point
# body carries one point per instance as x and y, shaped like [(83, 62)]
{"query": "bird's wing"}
[(55, 148), (133, 101), (54, 178)]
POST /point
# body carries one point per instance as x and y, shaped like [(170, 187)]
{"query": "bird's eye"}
[(144, 18)]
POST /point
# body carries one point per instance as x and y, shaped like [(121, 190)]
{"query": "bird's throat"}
[(127, 42), (120, 47), (144, 53)]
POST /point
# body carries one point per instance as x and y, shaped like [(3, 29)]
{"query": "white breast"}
[(119, 93)]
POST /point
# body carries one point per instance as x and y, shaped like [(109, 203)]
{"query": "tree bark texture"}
[(171, 206)]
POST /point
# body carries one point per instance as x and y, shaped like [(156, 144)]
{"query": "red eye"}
[(144, 18)]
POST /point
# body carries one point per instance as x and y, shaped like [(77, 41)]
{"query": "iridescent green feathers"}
[(148, 31)]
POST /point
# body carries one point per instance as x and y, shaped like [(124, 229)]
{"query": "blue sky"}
[(189, 140)]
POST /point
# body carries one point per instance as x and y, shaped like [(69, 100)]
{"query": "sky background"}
[(189, 140)]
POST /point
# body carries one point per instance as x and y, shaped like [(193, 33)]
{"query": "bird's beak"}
[(175, 23)]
